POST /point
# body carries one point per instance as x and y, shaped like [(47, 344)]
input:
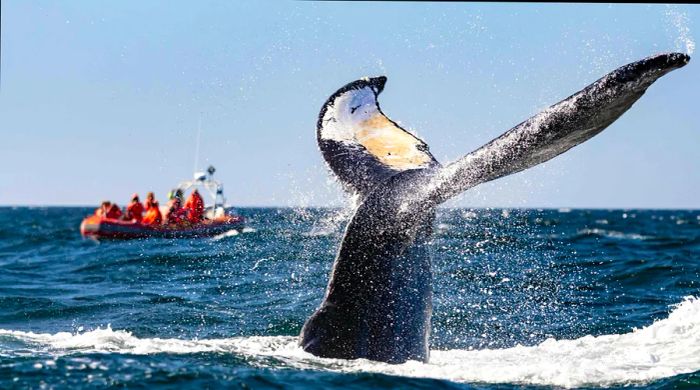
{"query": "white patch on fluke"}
[(353, 118), (663, 349), (347, 112)]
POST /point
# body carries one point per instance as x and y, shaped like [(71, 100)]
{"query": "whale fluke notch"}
[(556, 129)]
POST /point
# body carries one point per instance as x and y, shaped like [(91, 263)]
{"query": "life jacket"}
[(114, 212), (176, 214), (153, 215), (195, 207), (134, 211)]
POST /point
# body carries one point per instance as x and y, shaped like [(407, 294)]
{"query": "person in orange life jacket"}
[(153, 215), (134, 211), (195, 207)]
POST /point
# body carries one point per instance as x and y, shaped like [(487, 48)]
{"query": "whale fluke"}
[(378, 303), (556, 129)]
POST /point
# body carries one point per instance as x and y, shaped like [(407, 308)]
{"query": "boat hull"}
[(97, 227)]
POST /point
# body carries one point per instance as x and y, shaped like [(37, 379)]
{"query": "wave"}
[(233, 233), (666, 348), (612, 234)]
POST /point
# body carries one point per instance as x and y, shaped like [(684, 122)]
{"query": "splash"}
[(663, 349), (680, 21), (331, 223)]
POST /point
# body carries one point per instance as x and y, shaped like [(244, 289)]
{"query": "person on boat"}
[(176, 193), (150, 198), (114, 212), (102, 210), (134, 211), (153, 215), (176, 215), (195, 207)]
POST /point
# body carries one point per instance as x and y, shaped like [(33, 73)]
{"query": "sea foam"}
[(663, 349)]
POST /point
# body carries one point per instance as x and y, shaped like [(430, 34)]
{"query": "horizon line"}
[(341, 207)]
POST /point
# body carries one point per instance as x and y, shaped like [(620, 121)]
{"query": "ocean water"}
[(523, 298)]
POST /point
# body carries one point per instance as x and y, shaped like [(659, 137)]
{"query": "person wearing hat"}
[(134, 211)]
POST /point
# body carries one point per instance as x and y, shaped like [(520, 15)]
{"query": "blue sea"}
[(524, 298)]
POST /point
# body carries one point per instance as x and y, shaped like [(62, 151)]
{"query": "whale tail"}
[(364, 148), (378, 301)]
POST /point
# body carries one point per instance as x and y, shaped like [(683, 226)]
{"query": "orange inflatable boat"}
[(217, 218), (99, 227)]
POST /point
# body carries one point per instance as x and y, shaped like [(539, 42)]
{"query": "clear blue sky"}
[(101, 99)]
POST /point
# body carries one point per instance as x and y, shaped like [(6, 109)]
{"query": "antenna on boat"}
[(199, 135)]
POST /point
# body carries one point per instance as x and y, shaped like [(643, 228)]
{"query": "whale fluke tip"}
[(677, 59), (378, 83), (667, 61)]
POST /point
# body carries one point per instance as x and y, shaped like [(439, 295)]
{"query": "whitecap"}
[(228, 233), (614, 234), (663, 349)]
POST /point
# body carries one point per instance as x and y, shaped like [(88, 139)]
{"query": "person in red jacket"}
[(114, 212), (134, 211), (195, 207), (153, 215), (176, 215)]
